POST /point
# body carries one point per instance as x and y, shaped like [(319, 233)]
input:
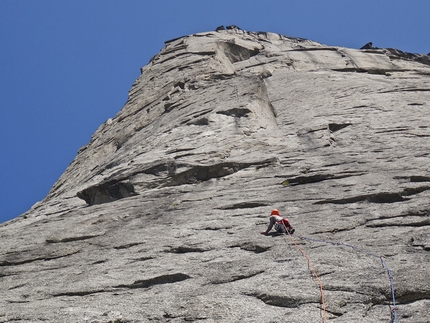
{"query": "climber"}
[(279, 223)]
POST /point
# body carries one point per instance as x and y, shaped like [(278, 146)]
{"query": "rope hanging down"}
[(314, 272), (384, 265)]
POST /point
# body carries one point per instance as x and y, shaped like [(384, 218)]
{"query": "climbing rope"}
[(314, 272), (384, 265)]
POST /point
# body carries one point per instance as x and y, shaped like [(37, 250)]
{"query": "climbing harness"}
[(384, 265)]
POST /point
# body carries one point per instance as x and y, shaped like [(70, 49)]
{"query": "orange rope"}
[(313, 271)]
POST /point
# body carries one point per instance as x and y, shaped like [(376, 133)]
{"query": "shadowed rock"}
[(106, 192)]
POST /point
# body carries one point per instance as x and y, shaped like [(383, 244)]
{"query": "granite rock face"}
[(158, 218)]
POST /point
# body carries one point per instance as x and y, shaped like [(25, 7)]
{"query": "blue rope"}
[(394, 311), (384, 264)]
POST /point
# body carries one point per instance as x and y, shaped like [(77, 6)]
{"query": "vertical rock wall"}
[(158, 218)]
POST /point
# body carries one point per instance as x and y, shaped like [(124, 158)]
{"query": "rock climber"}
[(279, 223)]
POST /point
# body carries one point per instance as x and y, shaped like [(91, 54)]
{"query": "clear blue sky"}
[(67, 65)]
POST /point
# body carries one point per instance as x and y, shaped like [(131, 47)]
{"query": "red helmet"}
[(275, 212)]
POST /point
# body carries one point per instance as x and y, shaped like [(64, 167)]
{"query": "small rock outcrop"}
[(158, 218)]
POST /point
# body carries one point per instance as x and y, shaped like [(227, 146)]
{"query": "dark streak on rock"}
[(236, 112), (423, 223), (126, 246), (243, 205), (372, 198), (383, 197), (298, 180), (249, 246), (29, 260), (81, 293), (282, 301), (164, 279), (238, 277), (414, 179), (362, 70), (410, 296), (71, 239), (186, 249)]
